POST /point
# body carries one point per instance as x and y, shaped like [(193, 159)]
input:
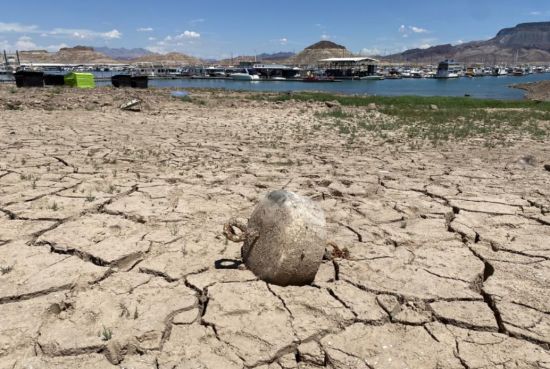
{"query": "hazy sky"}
[(220, 28)]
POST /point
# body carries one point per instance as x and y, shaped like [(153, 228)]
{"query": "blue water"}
[(481, 87)]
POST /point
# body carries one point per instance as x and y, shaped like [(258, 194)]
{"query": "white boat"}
[(215, 72), (245, 76), (429, 74), (499, 71), (406, 73), (518, 72), (374, 77), (416, 73), (278, 78), (448, 69)]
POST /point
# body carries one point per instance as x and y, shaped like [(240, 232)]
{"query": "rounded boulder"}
[(285, 239)]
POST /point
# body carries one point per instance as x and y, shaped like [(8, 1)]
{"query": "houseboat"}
[(155, 70), (349, 68), (276, 72), (245, 75), (448, 69)]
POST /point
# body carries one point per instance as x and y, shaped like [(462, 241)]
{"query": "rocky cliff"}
[(526, 42)]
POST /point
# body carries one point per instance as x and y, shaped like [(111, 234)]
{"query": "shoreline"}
[(538, 91), (478, 88), (526, 87)]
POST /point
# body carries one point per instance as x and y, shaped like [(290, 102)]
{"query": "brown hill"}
[(527, 42), (67, 55), (322, 45), (320, 50), (170, 58)]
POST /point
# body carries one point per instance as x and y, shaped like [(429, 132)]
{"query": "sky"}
[(219, 29)]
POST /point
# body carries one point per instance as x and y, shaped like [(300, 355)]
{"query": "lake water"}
[(481, 87)]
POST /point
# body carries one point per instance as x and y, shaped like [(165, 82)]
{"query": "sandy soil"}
[(111, 240)]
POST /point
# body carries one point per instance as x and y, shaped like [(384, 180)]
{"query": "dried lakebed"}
[(112, 254)]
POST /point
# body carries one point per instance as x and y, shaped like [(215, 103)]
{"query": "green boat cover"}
[(80, 80)]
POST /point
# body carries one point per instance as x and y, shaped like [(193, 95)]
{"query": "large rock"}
[(285, 239)]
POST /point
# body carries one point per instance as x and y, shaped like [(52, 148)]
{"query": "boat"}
[(244, 76), (480, 72), (429, 74), (314, 78), (518, 72), (499, 71), (374, 77), (415, 73), (448, 69), (406, 73), (215, 72), (276, 72), (394, 74)]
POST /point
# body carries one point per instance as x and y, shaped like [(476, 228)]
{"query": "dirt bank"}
[(536, 90)]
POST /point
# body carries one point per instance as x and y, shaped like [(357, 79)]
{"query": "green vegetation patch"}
[(432, 118)]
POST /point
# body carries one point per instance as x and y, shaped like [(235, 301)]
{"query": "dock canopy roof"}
[(351, 60), (271, 66)]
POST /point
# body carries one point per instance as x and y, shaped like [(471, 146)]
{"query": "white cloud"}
[(151, 38), (324, 36), (83, 34), (156, 49), (535, 13), (188, 35), (459, 42), (145, 29), (283, 41), (406, 31), (371, 51), (418, 29), (17, 28), (58, 32), (196, 21), (52, 48), (111, 34), (425, 46), (25, 43), (174, 43)]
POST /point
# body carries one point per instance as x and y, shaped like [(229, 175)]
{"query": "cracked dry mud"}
[(112, 255)]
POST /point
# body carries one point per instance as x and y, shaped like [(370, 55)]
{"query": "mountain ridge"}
[(122, 53), (526, 42)]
